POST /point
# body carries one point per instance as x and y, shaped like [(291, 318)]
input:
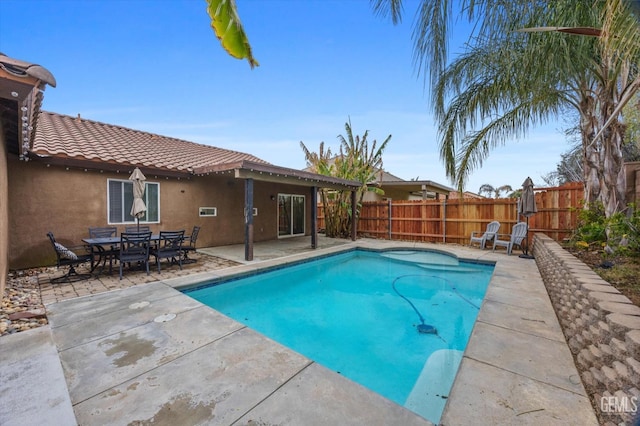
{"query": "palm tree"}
[(493, 191), (355, 161), (486, 189), (508, 81)]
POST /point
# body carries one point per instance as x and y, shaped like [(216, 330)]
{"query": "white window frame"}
[(133, 220)]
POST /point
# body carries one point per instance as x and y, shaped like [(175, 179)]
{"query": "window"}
[(120, 200), (290, 215)]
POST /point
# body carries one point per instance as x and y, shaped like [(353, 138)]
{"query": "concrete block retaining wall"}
[(602, 328)]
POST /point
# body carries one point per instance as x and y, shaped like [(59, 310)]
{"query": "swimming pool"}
[(397, 322)]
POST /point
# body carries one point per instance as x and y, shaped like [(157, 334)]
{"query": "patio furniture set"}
[(516, 238), (133, 247)]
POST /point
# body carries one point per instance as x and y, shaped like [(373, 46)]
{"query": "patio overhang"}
[(251, 171), (270, 173)]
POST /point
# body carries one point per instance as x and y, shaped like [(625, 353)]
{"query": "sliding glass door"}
[(290, 215)]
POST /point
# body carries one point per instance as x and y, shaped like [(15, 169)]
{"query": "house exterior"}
[(454, 195), (77, 177), (65, 174), (396, 188), (22, 86)]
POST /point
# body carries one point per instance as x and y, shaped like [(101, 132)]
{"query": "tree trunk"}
[(604, 176)]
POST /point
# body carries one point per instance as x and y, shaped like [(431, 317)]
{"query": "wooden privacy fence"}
[(453, 220)]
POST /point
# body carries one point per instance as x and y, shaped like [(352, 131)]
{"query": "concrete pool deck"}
[(149, 354)]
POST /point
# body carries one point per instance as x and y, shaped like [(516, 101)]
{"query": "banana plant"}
[(228, 28), (357, 161)]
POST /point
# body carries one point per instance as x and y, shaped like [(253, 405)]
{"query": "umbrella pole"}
[(525, 252)]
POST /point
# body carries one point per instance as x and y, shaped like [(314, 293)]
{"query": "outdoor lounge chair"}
[(134, 248), (488, 235), (190, 245), (68, 257), (104, 253), (169, 247), (518, 233)]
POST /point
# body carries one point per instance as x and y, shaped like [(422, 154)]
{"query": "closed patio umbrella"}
[(527, 207), (138, 209)]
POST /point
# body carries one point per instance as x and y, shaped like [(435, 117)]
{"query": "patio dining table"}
[(97, 246)]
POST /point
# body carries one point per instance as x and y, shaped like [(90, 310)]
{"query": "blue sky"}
[(155, 65)]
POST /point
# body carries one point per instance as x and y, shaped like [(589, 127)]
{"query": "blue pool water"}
[(358, 313)]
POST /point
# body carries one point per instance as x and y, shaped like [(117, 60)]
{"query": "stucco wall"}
[(601, 326), (4, 211), (68, 202)]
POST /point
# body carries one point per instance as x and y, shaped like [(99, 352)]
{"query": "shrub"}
[(620, 232)]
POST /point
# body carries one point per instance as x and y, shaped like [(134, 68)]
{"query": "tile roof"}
[(74, 138)]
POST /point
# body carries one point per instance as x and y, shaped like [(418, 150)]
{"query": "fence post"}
[(389, 218), (444, 219)]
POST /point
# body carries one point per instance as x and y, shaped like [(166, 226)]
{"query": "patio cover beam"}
[(270, 173)]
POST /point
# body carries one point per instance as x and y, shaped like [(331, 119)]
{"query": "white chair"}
[(488, 235), (518, 233)]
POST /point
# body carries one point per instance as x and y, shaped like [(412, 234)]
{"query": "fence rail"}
[(453, 220)]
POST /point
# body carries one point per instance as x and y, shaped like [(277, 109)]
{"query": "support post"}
[(354, 215), (248, 219), (314, 217)]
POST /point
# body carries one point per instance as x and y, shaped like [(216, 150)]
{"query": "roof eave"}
[(24, 84), (103, 166), (267, 172)]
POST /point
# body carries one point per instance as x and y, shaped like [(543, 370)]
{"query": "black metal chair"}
[(190, 245), (134, 248), (169, 247), (137, 228), (68, 257), (103, 254)]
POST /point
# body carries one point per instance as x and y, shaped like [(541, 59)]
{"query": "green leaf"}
[(228, 28)]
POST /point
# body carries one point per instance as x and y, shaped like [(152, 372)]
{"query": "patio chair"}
[(518, 233), (190, 245), (136, 228), (169, 247), (134, 248), (68, 257), (488, 235), (103, 254)]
